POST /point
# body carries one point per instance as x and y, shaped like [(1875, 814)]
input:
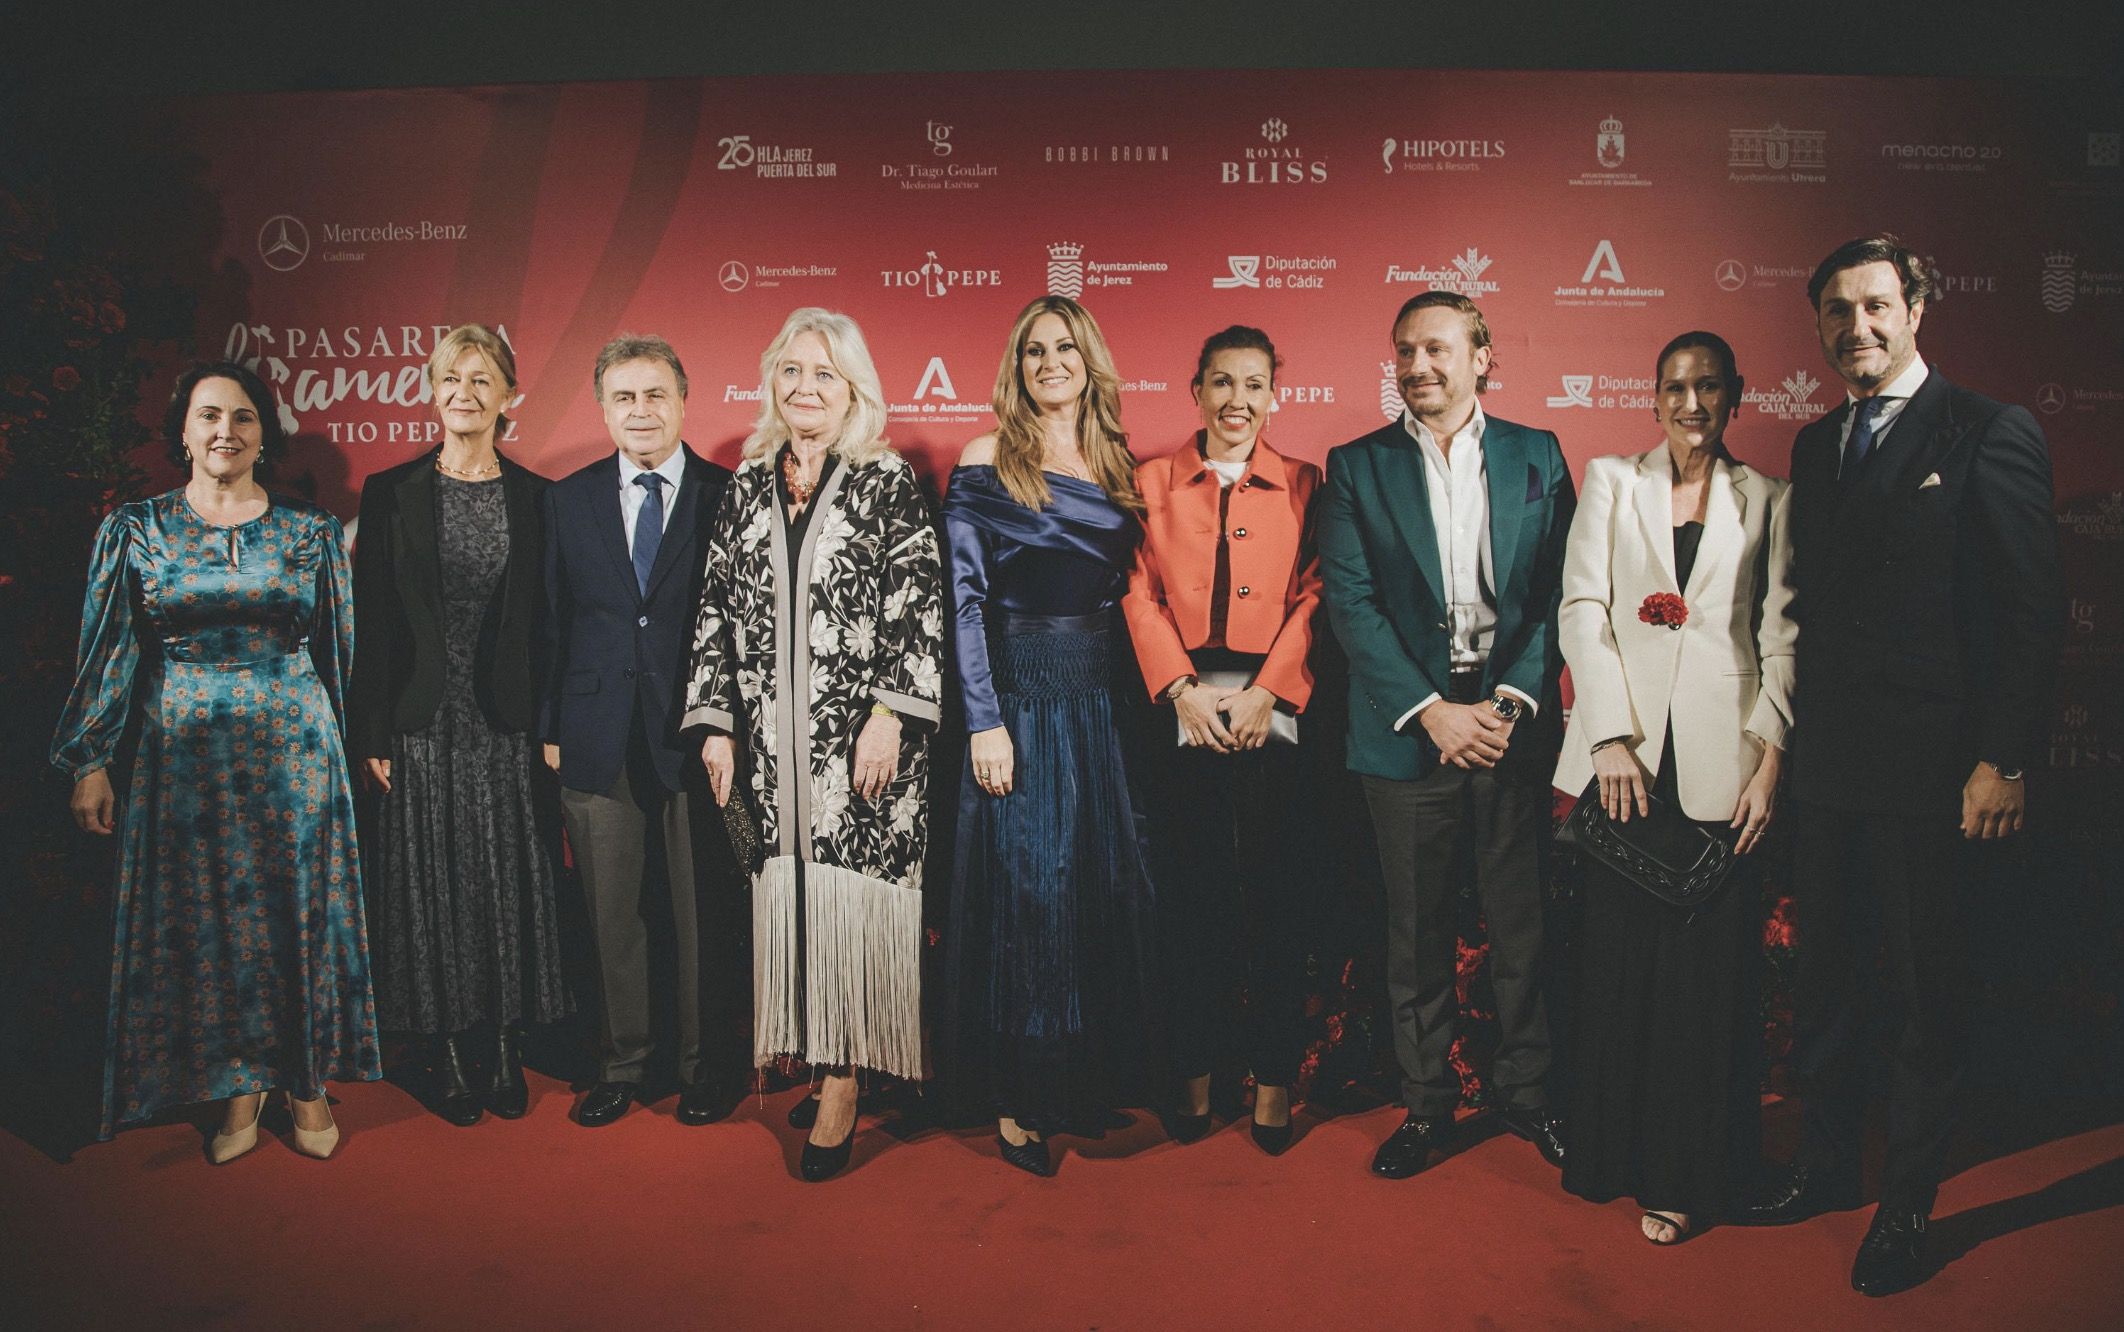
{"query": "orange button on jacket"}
[(1275, 572)]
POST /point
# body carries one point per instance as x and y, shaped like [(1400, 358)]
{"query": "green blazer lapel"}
[(1505, 467), (1407, 498)]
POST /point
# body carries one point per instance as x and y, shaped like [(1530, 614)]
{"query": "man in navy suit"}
[(1931, 614), (1441, 550), (626, 540)]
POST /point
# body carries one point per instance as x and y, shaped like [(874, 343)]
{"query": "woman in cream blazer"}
[(1693, 703)]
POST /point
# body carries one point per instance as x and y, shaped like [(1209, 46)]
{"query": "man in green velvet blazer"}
[(1441, 546)]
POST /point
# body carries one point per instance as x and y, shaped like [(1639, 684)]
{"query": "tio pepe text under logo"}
[(283, 242)]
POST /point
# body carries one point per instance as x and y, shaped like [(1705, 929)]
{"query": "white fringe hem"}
[(861, 992)]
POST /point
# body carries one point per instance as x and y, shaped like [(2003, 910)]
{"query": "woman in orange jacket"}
[(1220, 609)]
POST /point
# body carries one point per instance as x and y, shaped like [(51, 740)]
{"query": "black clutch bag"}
[(1666, 853), (743, 827)]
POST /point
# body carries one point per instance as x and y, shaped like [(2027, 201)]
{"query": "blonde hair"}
[(862, 435), (484, 340), (1019, 446)]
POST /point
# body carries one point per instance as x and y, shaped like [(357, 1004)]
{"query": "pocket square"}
[(1534, 485), (1929, 482)]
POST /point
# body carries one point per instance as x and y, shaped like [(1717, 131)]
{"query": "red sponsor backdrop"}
[(1592, 215)]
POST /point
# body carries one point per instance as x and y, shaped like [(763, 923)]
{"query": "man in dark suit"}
[(1441, 548), (626, 540), (1930, 614)]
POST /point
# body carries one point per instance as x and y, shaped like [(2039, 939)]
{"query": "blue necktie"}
[(648, 528), (1861, 442)]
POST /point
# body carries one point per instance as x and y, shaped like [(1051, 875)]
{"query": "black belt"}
[(1464, 686)]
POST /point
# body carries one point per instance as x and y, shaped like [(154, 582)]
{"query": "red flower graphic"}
[(66, 379), (1664, 608)]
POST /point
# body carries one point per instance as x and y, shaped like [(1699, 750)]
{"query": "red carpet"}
[(541, 1223)]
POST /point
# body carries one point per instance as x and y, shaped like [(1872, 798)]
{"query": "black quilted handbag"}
[(1666, 853)]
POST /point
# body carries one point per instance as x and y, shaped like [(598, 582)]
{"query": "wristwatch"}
[(1507, 707), (2005, 774), (1179, 687)]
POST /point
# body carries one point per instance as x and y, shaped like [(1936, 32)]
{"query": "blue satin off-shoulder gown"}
[(240, 961), (1050, 1017)]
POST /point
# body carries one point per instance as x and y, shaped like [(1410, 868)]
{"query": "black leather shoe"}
[(1029, 1156), (1540, 1126), (1791, 1194), (804, 1113), (1188, 1128), (823, 1163), (511, 1095), (1892, 1256), (606, 1102), (1272, 1138), (1409, 1150), (455, 1100), (702, 1102)]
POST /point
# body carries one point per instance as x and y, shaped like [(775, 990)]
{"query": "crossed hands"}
[(1468, 735), (1225, 721)]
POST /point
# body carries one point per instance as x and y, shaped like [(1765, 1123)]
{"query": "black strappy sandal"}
[(1682, 1229)]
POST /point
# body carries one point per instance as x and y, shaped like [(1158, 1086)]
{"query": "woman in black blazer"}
[(443, 706)]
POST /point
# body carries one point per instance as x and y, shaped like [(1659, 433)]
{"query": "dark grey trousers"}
[(613, 834), (1420, 826)]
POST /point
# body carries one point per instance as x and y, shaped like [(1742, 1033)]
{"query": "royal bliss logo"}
[(1604, 284), (938, 168), (1273, 161), (315, 371), (1439, 155), (1790, 402), (1778, 155), (1462, 273), (934, 279), (1611, 148), (1274, 272), (769, 161), (1069, 273)]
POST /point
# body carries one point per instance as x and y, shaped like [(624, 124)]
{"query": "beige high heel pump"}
[(226, 1147)]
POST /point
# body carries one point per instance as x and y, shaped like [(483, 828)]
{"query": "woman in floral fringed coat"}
[(816, 654)]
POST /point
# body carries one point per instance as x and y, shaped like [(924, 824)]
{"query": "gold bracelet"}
[(880, 710)]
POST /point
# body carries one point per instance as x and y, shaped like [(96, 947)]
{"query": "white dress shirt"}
[(1894, 398), (672, 469), (1455, 484)]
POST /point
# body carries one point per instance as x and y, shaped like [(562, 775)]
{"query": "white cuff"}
[(1411, 714)]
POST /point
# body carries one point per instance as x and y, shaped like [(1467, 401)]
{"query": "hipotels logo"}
[(1604, 284), (1069, 272), (1462, 273), (1791, 401), (1778, 155), (303, 391), (1273, 161), (1284, 272), (769, 161), (1611, 147), (735, 275), (1439, 154), (941, 171), (284, 242), (934, 279), (1942, 158)]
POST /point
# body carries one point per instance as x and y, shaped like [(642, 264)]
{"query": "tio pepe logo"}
[(283, 242)]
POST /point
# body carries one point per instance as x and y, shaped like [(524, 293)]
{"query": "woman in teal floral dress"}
[(220, 615)]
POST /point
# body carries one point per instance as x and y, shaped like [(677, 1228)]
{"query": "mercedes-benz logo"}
[(283, 242), (2051, 398), (1731, 275), (734, 276)]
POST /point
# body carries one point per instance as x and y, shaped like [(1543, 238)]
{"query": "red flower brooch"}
[(1664, 608)]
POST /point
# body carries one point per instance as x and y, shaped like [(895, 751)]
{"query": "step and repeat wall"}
[(1592, 216)]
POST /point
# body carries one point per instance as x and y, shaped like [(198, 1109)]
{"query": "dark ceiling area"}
[(66, 52)]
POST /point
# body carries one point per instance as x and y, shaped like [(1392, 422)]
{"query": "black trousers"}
[(1420, 825), (1871, 888), (1233, 909), (613, 833)]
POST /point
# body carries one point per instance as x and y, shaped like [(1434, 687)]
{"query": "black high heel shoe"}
[(1029, 1156), (512, 1095), (455, 1100), (804, 1113), (823, 1163), (1272, 1138)]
